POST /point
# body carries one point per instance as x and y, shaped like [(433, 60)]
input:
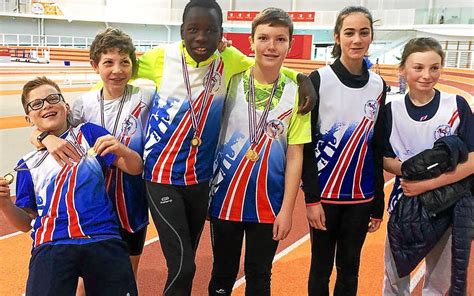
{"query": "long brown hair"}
[(336, 51)]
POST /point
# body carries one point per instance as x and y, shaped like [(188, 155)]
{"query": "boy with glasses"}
[(75, 231)]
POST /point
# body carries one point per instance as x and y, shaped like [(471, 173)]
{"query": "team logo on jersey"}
[(327, 144), (274, 128), (370, 109), (215, 82), (129, 126), (442, 131)]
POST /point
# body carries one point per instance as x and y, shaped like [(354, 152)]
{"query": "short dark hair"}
[(113, 38), (33, 84), (422, 44), (208, 4), (336, 51), (273, 17)]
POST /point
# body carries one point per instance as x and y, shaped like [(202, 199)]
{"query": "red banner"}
[(241, 15), (302, 16), (248, 16)]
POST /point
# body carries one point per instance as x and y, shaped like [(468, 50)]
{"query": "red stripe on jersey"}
[(342, 164), (108, 179), (232, 205), (74, 226), (264, 207), (167, 156), (44, 232), (190, 173), (120, 202), (379, 98), (357, 190), (340, 169), (453, 118), (169, 152), (137, 110), (238, 187)]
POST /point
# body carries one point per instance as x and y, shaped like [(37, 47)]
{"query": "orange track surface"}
[(289, 272)]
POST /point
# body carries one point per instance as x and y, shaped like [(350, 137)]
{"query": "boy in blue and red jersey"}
[(75, 230), (123, 110), (182, 133), (259, 161)]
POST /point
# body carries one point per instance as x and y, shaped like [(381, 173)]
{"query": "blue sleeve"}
[(91, 133), (388, 150), (25, 192), (466, 125)]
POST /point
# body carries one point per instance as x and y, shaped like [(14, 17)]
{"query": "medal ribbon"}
[(122, 102), (256, 129), (21, 167), (196, 118)]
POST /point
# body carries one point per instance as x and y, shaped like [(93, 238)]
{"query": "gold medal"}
[(91, 152), (252, 155), (196, 141), (9, 178)]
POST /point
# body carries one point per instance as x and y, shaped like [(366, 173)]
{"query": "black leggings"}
[(179, 213), (260, 248), (346, 231)]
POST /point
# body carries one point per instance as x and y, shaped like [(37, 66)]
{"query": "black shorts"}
[(135, 241), (104, 266)]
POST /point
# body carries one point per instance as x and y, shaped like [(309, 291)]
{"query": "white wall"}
[(17, 25)]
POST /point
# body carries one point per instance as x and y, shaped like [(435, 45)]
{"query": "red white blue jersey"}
[(169, 156), (71, 201), (243, 190), (345, 126), (127, 116), (408, 137)]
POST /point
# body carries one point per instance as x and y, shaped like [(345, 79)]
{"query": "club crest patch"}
[(274, 128), (442, 130), (370, 109)]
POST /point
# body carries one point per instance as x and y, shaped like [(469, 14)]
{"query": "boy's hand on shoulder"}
[(306, 93), (316, 216), (282, 225), (62, 151), (223, 44)]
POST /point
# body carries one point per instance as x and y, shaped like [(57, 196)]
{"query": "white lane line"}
[(278, 256), (417, 277), (152, 240), (293, 246), (10, 235)]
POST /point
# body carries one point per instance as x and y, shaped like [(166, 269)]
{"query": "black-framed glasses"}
[(52, 99)]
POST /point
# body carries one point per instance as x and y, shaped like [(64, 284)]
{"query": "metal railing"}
[(64, 41)]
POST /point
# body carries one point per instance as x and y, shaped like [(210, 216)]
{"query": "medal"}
[(195, 112), (9, 178), (22, 166), (196, 141), (256, 126), (91, 152), (252, 155)]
